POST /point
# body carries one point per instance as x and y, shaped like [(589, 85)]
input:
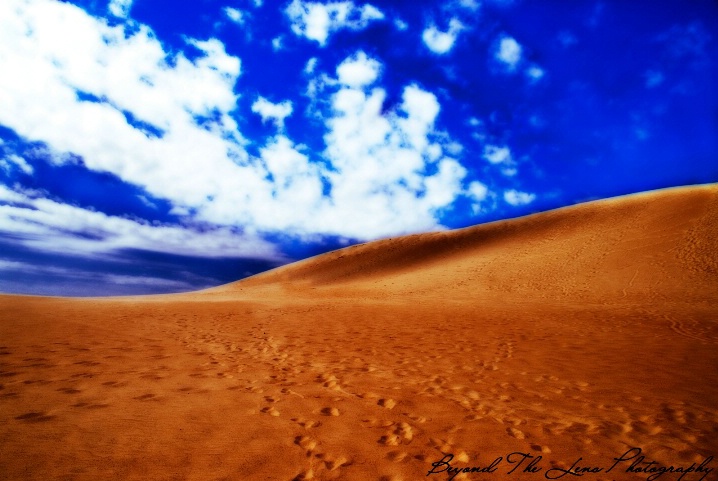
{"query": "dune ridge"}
[(582, 332), (673, 233)]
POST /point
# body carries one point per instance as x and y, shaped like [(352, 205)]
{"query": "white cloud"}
[(508, 52), (496, 154), (310, 66), (235, 15), (381, 170), (472, 5), (277, 43), (68, 51), (14, 161), (55, 227), (442, 42), (120, 8), (477, 191), (454, 148), (269, 111), (516, 198), (401, 25), (382, 163), (316, 21), (535, 73), (358, 71)]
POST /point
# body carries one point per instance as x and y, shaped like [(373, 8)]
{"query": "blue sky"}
[(151, 146)]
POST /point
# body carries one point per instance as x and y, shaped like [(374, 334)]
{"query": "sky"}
[(154, 146)]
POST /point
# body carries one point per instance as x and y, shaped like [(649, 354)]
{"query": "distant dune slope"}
[(653, 246)]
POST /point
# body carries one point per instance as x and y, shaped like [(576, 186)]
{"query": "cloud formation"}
[(516, 198), (442, 42), (52, 226), (163, 122), (316, 21), (120, 8), (388, 166), (358, 70), (508, 52), (275, 113), (497, 155), (235, 15)]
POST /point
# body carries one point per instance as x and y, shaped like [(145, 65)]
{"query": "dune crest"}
[(659, 243), (586, 332)]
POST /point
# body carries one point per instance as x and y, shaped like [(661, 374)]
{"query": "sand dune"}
[(578, 333)]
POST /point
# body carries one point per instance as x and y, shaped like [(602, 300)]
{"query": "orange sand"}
[(580, 332)]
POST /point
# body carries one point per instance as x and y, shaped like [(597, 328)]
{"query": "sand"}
[(578, 333)]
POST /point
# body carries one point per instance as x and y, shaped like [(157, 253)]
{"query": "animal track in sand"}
[(330, 411)]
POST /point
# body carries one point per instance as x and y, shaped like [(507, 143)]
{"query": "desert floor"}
[(578, 333)]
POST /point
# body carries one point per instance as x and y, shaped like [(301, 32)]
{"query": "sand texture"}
[(576, 333)]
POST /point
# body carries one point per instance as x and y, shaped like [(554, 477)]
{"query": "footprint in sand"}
[(443, 446), (271, 411), (373, 423), (397, 456), (416, 418), (329, 411), (333, 464), (543, 449), (387, 403), (405, 431), (307, 443), (461, 456), (390, 440), (306, 423)]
